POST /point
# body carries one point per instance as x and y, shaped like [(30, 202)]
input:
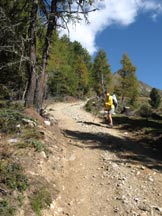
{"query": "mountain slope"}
[(144, 89)]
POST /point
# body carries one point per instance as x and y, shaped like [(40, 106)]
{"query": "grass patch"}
[(11, 174), (31, 138), (41, 199), (6, 209), (36, 144), (32, 133), (9, 118)]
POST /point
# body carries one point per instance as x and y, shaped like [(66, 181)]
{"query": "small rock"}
[(136, 199), (29, 122), (48, 123), (158, 208), (150, 179), (43, 154), (14, 140), (142, 168), (138, 172), (144, 208), (116, 209)]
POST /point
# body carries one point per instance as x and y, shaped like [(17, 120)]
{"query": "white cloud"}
[(123, 12)]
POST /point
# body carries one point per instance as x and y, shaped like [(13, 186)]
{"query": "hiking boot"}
[(110, 125)]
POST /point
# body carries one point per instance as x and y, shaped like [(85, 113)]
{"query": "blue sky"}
[(142, 41), (126, 26)]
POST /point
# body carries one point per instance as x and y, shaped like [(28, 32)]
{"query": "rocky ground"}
[(103, 171)]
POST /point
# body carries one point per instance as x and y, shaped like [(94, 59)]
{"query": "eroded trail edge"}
[(95, 181)]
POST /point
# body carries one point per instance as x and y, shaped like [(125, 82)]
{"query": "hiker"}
[(109, 107)]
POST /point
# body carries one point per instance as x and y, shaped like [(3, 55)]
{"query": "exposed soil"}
[(104, 171)]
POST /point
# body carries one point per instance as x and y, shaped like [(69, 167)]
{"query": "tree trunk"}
[(41, 82), (31, 87)]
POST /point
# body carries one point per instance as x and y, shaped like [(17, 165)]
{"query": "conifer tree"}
[(155, 98), (58, 13), (13, 29), (128, 86), (71, 62), (101, 73), (82, 74)]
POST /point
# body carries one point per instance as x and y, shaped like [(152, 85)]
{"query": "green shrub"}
[(31, 138), (12, 176), (41, 199), (9, 119), (93, 105), (145, 111), (36, 144), (4, 92), (32, 133), (6, 209), (30, 143)]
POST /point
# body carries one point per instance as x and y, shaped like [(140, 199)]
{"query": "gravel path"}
[(95, 181)]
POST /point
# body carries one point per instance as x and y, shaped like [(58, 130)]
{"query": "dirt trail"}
[(94, 180)]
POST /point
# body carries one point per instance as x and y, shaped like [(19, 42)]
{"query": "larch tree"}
[(82, 74), (58, 13), (101, 73), (128, 86)]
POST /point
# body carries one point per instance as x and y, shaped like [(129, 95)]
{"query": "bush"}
[(9, 118), (12, 176), (4, 92), (40, 200), (6, 209), (145, 111), (36, 144), (93, 105), (32, 133)]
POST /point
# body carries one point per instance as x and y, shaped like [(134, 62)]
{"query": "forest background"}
[(36, 63)]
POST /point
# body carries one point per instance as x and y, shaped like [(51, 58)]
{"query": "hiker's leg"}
[(110, 119)]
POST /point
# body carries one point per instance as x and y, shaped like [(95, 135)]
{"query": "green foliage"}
[(38, 146), (32, 133), (69, 68), (94, 105), (101, 73), (155, 98), (31, 138), (12, 176), (13, 15), (145, 111), (82, 74), (9, 118), (41, 199), (4, 92), (6, 209), (128, 86), (36, 143)]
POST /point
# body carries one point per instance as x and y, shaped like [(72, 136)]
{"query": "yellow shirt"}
[(109, 102)]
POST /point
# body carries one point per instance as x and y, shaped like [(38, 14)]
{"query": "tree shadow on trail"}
[(126, 149), (90, 123), (134, 123)]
